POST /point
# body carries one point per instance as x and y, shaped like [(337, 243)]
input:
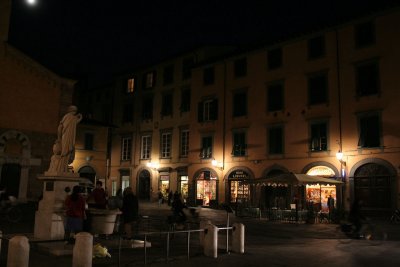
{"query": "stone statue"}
[(64, 146)]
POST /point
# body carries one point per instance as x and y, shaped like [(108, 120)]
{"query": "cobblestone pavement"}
[(266, 244)]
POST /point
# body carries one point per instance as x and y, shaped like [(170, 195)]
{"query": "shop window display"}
[(206, 189)]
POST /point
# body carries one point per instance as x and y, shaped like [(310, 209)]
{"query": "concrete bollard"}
[(211, 241), (18, 252), (203, 225), (238, 238), (82, 254)]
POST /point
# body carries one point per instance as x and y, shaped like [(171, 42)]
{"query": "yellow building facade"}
[(210, 123)]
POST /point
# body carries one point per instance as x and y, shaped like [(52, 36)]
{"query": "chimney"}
[(5, 12)]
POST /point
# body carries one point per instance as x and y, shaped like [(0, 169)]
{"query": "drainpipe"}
[(340, 116)]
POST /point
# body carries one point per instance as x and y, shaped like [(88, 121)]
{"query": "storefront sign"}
[(239, 175)]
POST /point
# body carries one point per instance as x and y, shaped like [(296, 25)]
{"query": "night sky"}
[(97, 38)]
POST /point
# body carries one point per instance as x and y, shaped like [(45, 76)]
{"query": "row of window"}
[(369, 126), (367, 83), (364, 35)]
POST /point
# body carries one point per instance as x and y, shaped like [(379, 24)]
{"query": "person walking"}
[(130, 211), (331, 207), (75, 214), (170, 196)]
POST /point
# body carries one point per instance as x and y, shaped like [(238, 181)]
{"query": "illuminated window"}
[(184, 143), (166, 139), (239, 144), (130, 85), (126, 148), (206, 147), (145, 149), (319, 136)]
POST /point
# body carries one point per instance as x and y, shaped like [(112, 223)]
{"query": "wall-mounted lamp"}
[(217, 164), (339, 156), (153, 165)]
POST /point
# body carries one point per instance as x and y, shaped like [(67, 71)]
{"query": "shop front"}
[(183, 187), (164, 184), (206, 188), (238, 189)]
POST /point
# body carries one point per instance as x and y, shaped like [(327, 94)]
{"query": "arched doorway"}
[(144, 185), (206, 185), (88, 172), (10, 178), (372, 185)]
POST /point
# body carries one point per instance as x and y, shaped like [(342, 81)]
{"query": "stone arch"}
[(321, 163), (22, 138), (274, 169), (89, 172), (143, 183), (19, 163), (199, 175), (374, 181), (235, 189)]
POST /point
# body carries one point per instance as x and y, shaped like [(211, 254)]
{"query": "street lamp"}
[(217, 164), (339, 156)]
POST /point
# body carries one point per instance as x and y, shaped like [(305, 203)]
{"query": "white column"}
[(18, 252), (211, 241), (203, 225), (238, 238), (82, 253)]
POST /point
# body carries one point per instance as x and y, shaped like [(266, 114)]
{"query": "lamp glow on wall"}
[(153, 165), (217, 164), (339, 156)]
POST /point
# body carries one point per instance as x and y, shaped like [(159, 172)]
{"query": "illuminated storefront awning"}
[(296, 179)]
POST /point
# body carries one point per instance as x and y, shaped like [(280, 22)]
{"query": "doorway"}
[(10, 178), (144, 185)]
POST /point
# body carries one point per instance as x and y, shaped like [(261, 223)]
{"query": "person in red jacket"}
[(75, 213), (99, 196)]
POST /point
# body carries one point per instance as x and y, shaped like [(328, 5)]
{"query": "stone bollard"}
[(83, 250), (203, 225), (238, 238), (18, 252), (211, 241)]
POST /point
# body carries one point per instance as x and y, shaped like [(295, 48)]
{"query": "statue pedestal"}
[(49, 218)]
